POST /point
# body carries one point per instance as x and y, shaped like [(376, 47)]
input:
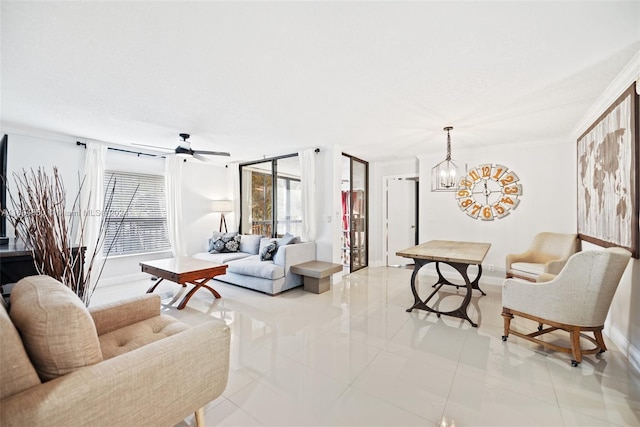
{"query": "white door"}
[(401, 219)]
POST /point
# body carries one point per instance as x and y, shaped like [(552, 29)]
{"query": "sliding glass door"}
[(260, 215)]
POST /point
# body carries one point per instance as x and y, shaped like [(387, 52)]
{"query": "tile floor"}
[(352, 356)]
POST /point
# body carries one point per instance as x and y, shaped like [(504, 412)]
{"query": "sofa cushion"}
[(250, 243), (252, 266), (16, 371), (56, 328), (225, 244), (131, 337)]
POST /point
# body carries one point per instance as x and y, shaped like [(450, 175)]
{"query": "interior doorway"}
[(401, 218), (355, 213)]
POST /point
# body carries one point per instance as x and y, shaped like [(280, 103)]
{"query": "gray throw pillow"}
[(225, 244), (217, 235), (250, 243), (269, 251), (288, 239)]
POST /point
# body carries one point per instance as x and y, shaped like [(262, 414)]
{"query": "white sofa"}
[(271, 277)]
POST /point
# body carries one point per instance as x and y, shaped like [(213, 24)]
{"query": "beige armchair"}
[(548, 254), (577, 300), (119, 364)]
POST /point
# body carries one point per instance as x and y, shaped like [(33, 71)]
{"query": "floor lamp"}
[(222, 207)]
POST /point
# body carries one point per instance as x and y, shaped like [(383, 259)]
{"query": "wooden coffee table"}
[(184, 270)]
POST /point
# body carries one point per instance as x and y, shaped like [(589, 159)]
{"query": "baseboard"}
[(623, 344), (119, 280)]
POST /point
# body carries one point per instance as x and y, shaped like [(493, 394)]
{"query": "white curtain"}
[(91, 207), (173, 183), (233, 170), (308, 180)]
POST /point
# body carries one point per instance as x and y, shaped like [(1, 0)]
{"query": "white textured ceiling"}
[(380, 79)]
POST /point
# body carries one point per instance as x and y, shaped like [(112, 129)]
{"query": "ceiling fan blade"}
[(153, 146), (201, 158), (211, 153)]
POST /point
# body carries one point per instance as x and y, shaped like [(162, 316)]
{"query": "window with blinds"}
[(136, 213)]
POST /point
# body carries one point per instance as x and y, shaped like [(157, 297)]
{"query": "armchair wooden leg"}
[(507, 316), (200, 417), (600, 340), (575, 346)]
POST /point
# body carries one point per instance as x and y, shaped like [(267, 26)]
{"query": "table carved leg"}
[(444, 281), (460, 312), (197, 285), (155, 285)]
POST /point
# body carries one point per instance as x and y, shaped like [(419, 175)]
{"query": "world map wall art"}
[(608, 184)]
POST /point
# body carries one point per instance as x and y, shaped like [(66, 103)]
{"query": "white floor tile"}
[(354, 356)]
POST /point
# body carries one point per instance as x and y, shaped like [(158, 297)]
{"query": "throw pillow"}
[(269, 251), (216, 235), (225, 244), (56, 328), (250, 243), (288, 239)]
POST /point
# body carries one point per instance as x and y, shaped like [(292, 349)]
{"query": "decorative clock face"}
[(488, 192)]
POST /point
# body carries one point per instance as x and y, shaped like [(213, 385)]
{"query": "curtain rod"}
[(138, 153)]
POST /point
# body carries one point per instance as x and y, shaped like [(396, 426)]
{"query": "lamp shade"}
[(222, 205)]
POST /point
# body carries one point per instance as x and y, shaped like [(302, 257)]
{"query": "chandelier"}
[(445, 174)]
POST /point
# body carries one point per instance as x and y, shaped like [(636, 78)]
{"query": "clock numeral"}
[(465, 183), (509, 178), (463, 193), (485, 170), (474, 211), (500, 211), (487, 215), (465, 203), (474, 175), (513, 190), (507, 200), (497, 172)]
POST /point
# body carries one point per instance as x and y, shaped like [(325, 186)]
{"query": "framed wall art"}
[(608, 184)]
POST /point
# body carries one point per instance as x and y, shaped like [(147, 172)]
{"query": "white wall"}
[(31, 152), (547, 174)]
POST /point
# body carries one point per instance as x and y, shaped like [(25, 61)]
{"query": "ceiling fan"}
[(184, 149)]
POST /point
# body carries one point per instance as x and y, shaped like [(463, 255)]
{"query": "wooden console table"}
[(459, 255), (184, 270), (16, 262)]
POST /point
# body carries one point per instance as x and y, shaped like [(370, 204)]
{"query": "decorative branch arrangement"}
[(40, 219)]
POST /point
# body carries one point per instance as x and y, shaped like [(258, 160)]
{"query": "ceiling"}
[(378, 79)]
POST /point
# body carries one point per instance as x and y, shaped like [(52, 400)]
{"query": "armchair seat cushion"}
[(528, 267), (139, 334)]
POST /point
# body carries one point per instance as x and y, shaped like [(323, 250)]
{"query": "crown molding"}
[(629, 74)]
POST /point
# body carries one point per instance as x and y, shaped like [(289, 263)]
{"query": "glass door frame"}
[(352, 231), (274, 190)]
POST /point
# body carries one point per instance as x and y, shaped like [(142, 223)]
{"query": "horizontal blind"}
[(135, 213)]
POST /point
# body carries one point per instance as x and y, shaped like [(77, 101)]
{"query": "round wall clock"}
[(488, 192)]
